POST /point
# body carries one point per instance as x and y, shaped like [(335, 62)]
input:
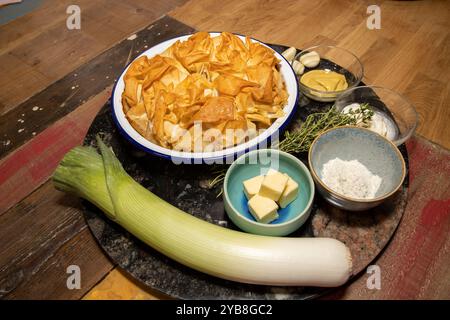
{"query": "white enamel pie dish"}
[(222, 156)]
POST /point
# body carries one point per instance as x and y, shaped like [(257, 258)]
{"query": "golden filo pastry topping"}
[(190, 96)]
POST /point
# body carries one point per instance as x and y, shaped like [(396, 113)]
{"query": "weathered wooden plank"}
[(39, 38), (35, 256), (27, 27), (32, 164), (50, 282), (62, 97), (41, 236), (75, 47), (43, 43), (17, 79), (60, 50)]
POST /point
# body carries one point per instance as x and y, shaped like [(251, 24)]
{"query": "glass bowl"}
[(390, 104), (336, 59)]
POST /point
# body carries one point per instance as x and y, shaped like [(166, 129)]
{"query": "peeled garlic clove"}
[(289, 54), (298, 67), (310, 59)]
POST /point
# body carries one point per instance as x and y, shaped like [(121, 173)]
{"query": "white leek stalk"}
[(203, 246)]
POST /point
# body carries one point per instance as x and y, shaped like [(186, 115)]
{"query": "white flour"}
[(350, 178)]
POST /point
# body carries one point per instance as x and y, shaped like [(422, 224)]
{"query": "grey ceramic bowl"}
[(377, 153)]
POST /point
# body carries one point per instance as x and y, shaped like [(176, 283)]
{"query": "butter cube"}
[(273, 185), (289, 194), (251, 186), (263, 209), (271, 171)]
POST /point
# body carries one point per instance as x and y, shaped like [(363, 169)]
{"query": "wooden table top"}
[(55, 80)]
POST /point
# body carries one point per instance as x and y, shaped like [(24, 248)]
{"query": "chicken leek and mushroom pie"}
[(205, 93)]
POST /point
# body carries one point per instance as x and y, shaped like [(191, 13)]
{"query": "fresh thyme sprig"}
[(217, 179), (299, 140)]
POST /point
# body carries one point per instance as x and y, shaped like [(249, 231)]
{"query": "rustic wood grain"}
[(44, 46), (35, 161), (62, 97), (16, 79), (32, 33), (29, 26), (30, 271), (41, 236)]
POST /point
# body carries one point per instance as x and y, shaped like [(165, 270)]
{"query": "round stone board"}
[(186, 187)]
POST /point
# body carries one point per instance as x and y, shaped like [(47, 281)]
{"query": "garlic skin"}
[(379, 122), (383, 126), (378, 125), (289, 54), (310, 59), (298, 67)]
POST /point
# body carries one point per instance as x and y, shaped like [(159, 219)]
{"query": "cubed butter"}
[(263, 209), (251, 186), (271, 171), (289, 194), (273, 185)]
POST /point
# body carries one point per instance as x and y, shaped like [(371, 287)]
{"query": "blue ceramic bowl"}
[(258, 162), (374, 151)]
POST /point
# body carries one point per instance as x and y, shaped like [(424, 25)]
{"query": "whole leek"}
[(203, 246)]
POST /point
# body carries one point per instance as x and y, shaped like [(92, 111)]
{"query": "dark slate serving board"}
[(186, 187)]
